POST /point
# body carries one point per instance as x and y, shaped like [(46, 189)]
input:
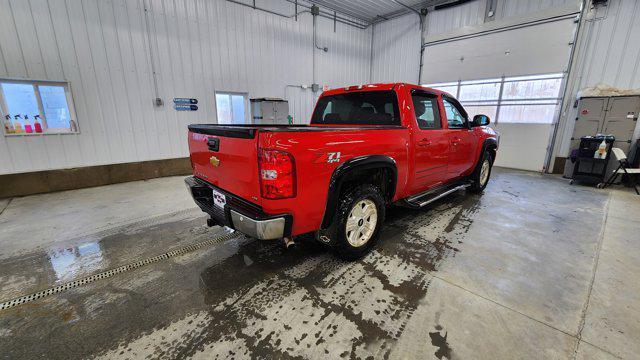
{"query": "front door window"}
[(455, 117)]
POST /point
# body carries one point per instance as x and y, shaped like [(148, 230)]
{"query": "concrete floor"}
[(533, 268)]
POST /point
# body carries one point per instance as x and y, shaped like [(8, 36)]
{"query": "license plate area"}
[(219, 199)]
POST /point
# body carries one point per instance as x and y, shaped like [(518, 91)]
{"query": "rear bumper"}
[(238, 213), (261, 229)]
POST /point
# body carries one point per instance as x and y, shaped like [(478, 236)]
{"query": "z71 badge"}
[(333, 157)]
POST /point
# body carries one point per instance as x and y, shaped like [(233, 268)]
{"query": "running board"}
[(418, 200)]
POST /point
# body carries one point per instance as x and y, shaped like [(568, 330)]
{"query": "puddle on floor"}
[(308, 303), (80, 257), (247, 296)]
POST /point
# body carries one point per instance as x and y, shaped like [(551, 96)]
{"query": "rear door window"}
[(426, 110), (358, 108)]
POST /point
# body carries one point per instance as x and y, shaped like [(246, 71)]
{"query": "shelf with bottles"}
[(23, 125)]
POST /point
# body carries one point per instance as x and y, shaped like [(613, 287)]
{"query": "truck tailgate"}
[(226, 157)]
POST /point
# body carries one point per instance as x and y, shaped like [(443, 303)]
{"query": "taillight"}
[(277, 174)]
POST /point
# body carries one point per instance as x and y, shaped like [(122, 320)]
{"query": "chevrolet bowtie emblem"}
[(214, 161)]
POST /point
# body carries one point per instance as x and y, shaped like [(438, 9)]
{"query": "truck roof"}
[(378, 87)]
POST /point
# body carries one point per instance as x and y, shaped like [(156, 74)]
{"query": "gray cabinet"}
[(617, 116), (270, 111)]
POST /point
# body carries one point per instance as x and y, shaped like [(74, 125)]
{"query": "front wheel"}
[(480, 177), (357, 222)]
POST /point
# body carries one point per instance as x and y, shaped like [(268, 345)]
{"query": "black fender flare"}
[(485, 145), (358, 163), (489, 142)]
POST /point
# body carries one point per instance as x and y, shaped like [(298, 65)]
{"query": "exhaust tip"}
[(289, 243)]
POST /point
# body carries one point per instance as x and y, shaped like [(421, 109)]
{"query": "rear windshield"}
[(358, 108)]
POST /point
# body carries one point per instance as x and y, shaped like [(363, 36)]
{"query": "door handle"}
[(424, 142), (455, 141)]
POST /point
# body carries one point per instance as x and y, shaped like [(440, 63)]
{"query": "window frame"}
[(66, 85), (247, 105), (436, 113), (503, 102)]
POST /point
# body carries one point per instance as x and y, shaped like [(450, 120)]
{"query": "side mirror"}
[(480, 120)]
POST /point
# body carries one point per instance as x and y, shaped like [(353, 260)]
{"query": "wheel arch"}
[(489, 144), (359, 168)]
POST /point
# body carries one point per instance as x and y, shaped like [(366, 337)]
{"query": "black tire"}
[(348, 200), (477, 184)]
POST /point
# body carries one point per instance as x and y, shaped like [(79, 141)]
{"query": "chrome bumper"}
[(238, 213), (269, 229)]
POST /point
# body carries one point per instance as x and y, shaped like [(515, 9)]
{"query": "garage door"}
[(512, 74)]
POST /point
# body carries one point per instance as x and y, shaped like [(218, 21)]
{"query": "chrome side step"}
[(415, 200)]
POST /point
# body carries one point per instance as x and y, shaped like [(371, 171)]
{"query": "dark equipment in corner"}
[(635, 155), (587, 168)]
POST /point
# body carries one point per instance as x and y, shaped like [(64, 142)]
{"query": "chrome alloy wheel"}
[(484, 172), (361, 222)]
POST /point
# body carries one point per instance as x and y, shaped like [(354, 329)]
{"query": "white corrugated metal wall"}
[(396, 50), (199, 46), (608, 52)]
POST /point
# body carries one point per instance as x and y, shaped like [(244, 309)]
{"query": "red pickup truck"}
[(367, 147)]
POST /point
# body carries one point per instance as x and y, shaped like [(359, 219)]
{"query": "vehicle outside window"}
[(358, 108)]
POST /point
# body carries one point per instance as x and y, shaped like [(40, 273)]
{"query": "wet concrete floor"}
[(509, 274)]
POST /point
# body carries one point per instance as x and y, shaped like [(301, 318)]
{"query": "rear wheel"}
[(357, 222), (480, 177)]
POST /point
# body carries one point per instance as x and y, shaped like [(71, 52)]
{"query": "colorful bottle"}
[(601, 153), (27, 125), (36, 124), (17, 124), (8, 125)]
